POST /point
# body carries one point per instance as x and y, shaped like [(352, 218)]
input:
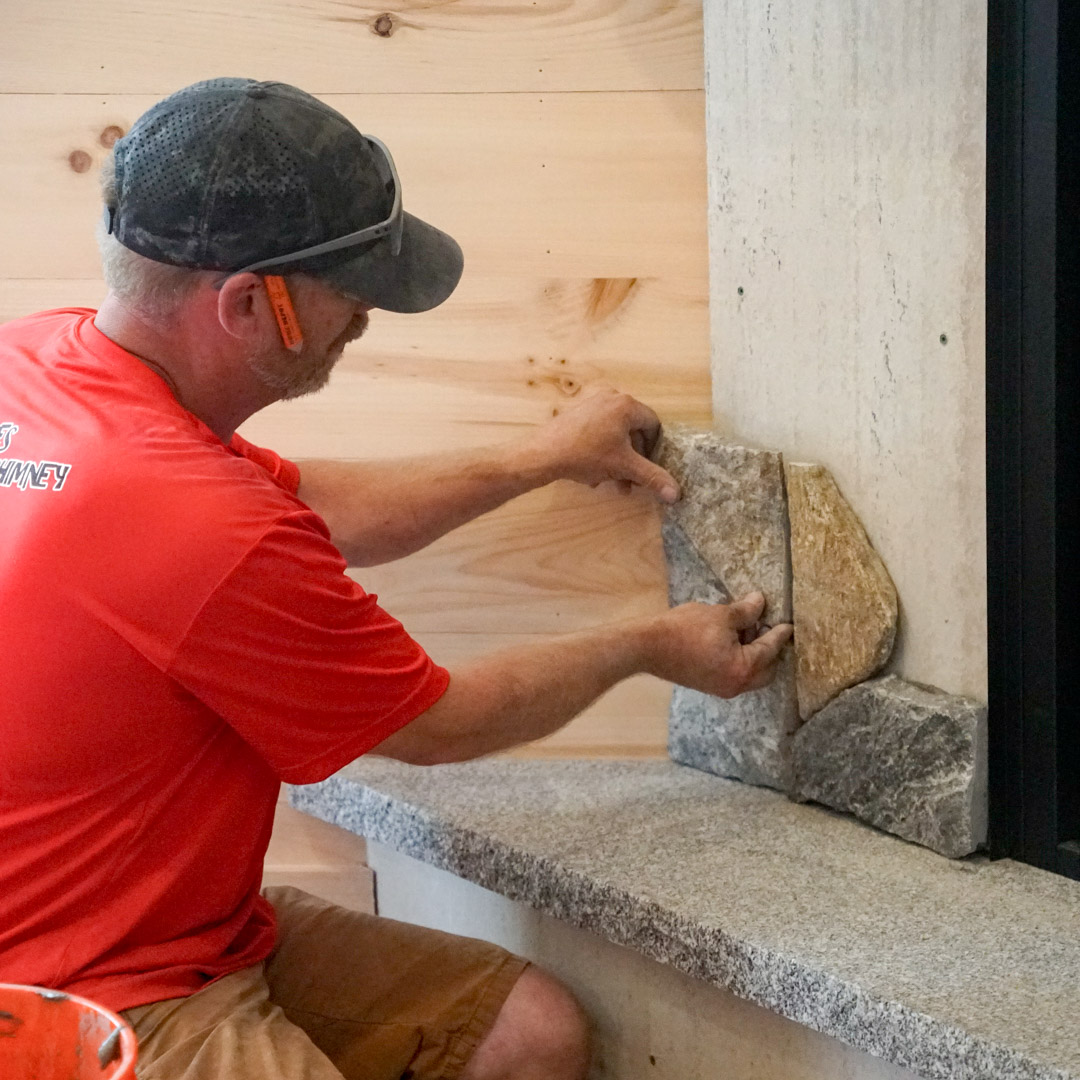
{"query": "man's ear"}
[(244, 310)]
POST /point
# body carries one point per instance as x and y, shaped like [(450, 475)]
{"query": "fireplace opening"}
[(1033, 430)]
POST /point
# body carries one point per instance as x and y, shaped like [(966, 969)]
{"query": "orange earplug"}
[(287, 321)]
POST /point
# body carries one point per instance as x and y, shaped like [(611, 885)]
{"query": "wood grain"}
[(562, 143), (502, 354), (564, 558), (24, 296), (555, 186), (500, 357), (363, 417), (333, 46), (629, 720)]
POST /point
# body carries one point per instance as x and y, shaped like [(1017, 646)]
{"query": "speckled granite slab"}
[(955, 970)]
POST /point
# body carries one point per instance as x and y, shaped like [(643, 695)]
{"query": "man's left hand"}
[(608, 436)]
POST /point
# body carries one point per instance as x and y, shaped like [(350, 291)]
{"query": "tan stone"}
[(844, 601)]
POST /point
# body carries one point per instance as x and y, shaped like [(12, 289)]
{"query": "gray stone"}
[(733, 512), (908, 759), (690, 580), (843, 599), (956, 970), (744, 738)]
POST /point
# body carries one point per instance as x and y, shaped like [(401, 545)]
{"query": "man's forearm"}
[(381, 511), (518, 695), (521, 694)]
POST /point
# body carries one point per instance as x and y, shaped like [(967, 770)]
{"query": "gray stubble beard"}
[(291, 376)]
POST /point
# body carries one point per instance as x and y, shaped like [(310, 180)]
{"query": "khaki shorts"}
[(344, 994)]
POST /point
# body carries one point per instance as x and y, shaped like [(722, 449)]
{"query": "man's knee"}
[(541, 1032), (554, 1022)]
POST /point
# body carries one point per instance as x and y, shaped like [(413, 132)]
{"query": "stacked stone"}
[(905, 758)]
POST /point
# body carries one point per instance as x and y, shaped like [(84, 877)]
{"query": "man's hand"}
[(524, 693), (608, 436), (719, 648), (382, 510)]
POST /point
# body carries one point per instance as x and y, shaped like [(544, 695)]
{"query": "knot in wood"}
[(383, 24), (110, 135)]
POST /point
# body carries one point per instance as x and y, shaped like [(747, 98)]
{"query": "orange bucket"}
[(47, 1035)]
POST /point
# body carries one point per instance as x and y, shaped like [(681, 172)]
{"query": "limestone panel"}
[(906, 758), (847, 236), (843, 600)]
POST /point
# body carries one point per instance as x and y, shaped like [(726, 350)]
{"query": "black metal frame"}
[(1033, 429)]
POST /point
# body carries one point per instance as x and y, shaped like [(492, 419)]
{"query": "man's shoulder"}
[(154, 532), (188, 489), (42, 324), (145, 510)]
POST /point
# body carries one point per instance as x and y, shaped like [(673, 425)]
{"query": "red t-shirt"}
[(177, 636)]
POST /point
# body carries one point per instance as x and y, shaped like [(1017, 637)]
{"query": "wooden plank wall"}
[(562, 143)]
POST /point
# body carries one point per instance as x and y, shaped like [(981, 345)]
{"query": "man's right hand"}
[(717, 648), (607, 436)]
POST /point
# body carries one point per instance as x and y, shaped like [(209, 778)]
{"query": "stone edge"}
[(813, 998), (976, 800)]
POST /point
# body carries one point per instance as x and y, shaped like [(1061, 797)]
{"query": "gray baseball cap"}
[(236, 175)]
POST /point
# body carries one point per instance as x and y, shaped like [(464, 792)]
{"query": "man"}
[(179, 635)]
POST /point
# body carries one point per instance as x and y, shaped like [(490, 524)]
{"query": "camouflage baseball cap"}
[(234, 175)]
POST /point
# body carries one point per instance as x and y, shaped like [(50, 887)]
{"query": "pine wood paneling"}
[(628, 721), (605, 185), (564, 558), (362, 416), (503, 355), (499, 356), (24, 296), (320, 859), (562, 143), (335, 46)]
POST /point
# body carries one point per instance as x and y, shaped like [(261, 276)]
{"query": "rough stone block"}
[(843, 600), (746, 738), (705, 538), (733, 512), (908, 759), (690, 580)]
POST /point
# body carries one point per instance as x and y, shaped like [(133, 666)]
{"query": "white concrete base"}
[(651, 1021)]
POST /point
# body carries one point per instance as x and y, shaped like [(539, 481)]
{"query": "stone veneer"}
[(726, 536), (905, 758), (733, 512), (746, 737), (844, 600)]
